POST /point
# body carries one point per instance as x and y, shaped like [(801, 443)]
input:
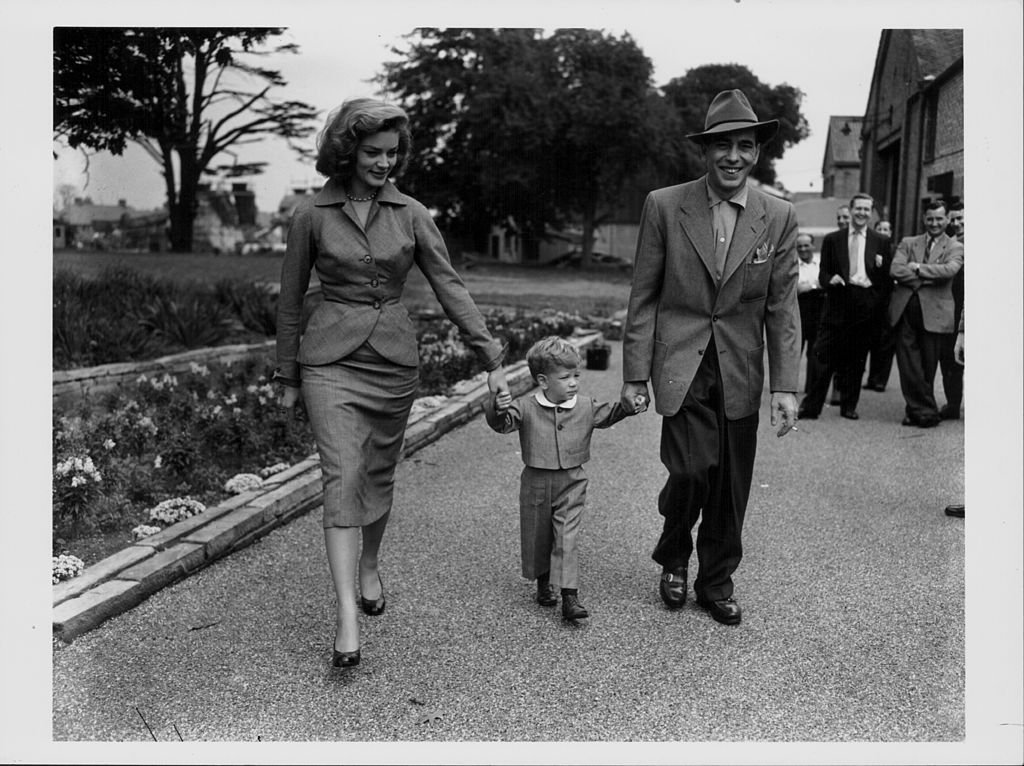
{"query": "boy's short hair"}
[(551, 352)]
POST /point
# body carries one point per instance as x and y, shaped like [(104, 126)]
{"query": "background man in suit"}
[(883, 344), (921, 310), (854, 273), (953, 373), (843, 217), (715, 273), (810, 296)]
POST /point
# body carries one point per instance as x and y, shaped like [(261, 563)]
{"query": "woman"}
[(356, 364)]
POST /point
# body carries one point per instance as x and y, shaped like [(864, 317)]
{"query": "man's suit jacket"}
[(933, 283), (835, 259), (676, 304)]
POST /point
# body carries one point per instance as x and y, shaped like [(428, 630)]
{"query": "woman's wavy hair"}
[(349, 124)]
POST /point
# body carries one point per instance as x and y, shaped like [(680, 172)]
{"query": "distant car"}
[(573, 259)]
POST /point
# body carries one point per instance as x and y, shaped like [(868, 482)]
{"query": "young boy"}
[(554, 427)]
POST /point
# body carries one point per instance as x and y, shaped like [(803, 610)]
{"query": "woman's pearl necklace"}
[(360, 199)]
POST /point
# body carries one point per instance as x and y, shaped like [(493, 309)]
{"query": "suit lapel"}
[(749, 232), (695, 218)]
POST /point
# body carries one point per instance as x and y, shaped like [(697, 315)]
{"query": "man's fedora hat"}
[(731, 111)]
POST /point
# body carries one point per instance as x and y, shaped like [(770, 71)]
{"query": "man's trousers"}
[(710, 461)]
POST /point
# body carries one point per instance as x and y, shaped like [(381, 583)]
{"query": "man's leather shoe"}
[(572, 609), (672, 587), (874, 387), (908, 421), (948, 413), (956, 511), (724, 610), (806, 415), (850, 414)]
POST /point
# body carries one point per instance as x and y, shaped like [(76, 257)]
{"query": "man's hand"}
[(958, 348), (784, 405), (837, 280), (634, 397), (290, 395)]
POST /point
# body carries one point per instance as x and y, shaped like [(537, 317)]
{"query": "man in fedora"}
[(714, 288)]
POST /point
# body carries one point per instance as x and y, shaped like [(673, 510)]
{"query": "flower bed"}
[(128, 463)]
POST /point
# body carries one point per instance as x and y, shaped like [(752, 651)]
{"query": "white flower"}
[(159, 461), (109, 444), (176, 509), (270, 470), (243, 482), (198, 369), (66, 566), (144, 530)]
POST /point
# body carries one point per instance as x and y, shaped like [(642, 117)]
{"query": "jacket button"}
[(560, 426), (367, 258), (700, 352), (714, 318), (376, 304), (373, 283)]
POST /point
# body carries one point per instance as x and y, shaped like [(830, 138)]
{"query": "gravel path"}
[(852, 588)]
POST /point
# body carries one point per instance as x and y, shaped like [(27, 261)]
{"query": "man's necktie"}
[(721, 243), (854, 255), (928, 250)]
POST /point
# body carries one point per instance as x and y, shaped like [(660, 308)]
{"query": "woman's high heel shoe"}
[(345, 659), (374, 607)]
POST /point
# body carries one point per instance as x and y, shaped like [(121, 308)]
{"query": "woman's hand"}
[(496, 382), (289, 396)]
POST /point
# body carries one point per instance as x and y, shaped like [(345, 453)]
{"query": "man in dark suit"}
[(854, 272), (953, 373), (922, 309), (714, 288)]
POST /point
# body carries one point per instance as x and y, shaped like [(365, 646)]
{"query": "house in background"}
[(840, 170), (913, 138)]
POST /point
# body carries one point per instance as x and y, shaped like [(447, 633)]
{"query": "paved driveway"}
[(851, 584)]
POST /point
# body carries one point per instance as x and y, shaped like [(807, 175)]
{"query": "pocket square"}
[(763, 252)]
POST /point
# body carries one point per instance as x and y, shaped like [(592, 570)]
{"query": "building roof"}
[(86, 213), (842, 147), (937, 49)]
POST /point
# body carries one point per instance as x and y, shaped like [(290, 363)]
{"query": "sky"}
[(823, 52), (824, 47)]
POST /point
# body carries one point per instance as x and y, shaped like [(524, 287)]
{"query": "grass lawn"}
[(600, 291)]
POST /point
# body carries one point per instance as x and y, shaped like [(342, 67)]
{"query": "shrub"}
[(186, 321)]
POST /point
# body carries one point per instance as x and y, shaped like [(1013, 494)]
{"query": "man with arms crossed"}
[(921, 310), (715, 272)]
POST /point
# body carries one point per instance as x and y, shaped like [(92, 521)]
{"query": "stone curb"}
[(73, 384), (125, 579)]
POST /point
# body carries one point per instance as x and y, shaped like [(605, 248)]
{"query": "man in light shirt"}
[(854, 273)]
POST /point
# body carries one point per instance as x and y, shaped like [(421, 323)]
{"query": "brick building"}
[(840, 169), (913, 136)]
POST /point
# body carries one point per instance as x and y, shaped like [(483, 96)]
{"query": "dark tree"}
[(512, 126), (690, 95), (187, 96)]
